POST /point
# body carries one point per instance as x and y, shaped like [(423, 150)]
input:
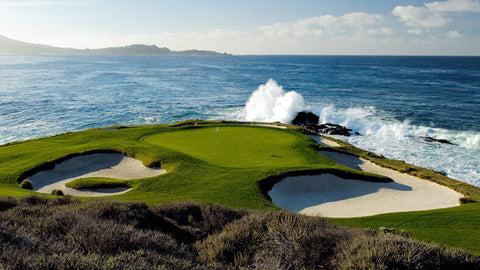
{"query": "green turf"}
[(239, 147), (199, 169)]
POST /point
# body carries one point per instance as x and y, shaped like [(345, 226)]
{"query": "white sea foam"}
[(271, 103), (368, 122), (380, 133), (402, 140)]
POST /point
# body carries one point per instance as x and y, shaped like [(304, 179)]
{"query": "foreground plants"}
[(48, 233)]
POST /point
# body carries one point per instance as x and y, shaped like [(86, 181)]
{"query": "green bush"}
[(465, 200), (7, 203), (57, 192), (26, 184)]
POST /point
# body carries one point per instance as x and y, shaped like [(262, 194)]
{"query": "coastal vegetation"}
[(64, 233), (231, 164)]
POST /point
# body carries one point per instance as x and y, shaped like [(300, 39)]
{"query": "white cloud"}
[(434, 14), (361, 19), (454, 6), (420, 17), (325, 24), (9, 3), (415, 31), (453, 34), (383, 31)]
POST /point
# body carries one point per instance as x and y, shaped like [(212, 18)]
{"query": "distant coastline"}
[(15, 47)]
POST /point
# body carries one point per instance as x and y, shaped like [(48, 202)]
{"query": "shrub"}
[(183, 213), (26, 184), (216, 217), (208, 217), (136, 214), (240, 237), (386, 230), (57, 192), (465, 200), (32, 200), (7, 203), (61, 233), (393, 252), (299, 243)]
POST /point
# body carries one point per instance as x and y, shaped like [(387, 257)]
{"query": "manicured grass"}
[(240, 146)]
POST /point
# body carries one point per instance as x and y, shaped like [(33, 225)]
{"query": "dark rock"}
[(309, 120), (333, 129), (305, 118), (430, 139)]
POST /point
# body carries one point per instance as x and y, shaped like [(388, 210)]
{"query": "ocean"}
[(391, 101)]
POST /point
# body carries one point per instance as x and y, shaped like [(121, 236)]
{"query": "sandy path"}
[(323, 141), (330, 196), (109, 165)]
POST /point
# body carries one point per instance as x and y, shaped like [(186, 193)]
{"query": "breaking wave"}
[(270, 103)]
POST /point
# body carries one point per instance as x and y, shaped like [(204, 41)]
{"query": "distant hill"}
[(10, 46)]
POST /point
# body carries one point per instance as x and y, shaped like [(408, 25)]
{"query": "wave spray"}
[(270, 103)]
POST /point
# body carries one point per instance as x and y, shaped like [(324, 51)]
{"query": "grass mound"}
[(26, 184), (44, 233), (97, 182), (57, 192)]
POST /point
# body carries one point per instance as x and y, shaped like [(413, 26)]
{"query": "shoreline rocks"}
[(430, 139), (310, 120)]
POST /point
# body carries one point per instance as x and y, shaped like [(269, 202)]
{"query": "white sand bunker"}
[(110, 165), (323, 141), (331, 196)]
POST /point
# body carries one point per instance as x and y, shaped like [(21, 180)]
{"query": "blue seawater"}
[(391, 101)]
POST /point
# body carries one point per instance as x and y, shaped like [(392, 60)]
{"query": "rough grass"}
[(61, 233)]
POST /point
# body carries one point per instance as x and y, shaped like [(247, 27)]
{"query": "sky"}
[(339, 27)]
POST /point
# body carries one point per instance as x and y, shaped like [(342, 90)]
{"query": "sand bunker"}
[(269, 125), (323, 141), (110, 165), (330, 196)]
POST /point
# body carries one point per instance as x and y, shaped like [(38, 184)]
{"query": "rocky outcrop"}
[(334, 129), (430, 139), (305, 119), (310, 121)]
